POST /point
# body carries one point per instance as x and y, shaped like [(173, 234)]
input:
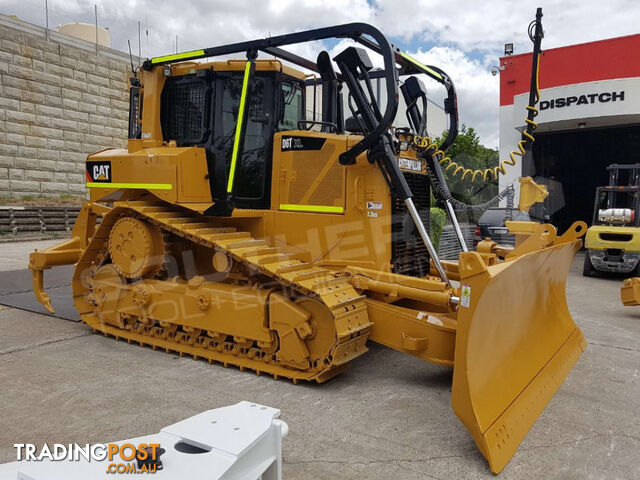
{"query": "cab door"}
[(251, 188)]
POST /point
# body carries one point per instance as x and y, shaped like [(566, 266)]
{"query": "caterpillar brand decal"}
[(412, 165), (98, 171), (302, 143), (587, 99)]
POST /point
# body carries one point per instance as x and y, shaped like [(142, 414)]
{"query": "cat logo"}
[(99, 172)]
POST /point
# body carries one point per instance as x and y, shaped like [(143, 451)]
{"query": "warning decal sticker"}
[(465, 295)]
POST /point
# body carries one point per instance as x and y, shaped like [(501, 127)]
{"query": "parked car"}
[(491, 224)]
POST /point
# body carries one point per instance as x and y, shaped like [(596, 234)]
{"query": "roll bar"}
[(359, 32)]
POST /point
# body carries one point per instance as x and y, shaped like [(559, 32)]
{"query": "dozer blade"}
[(515, 344)]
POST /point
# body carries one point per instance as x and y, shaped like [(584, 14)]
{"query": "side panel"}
[(176, 175), (310, 177), (326, 212)]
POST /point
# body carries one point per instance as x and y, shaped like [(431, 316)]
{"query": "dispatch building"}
[(589, 118)]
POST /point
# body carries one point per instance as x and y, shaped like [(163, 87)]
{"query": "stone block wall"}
[(59, 101)]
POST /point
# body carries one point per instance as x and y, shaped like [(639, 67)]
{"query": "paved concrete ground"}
[(15, 255), (389, 416)]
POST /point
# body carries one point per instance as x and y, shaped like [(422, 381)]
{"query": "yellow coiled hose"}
[(425, 143)]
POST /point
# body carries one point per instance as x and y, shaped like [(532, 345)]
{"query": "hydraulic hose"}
[(430, 147), (441, 190)]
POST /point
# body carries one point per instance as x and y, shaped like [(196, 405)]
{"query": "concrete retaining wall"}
[(23, 220), (59, 101)]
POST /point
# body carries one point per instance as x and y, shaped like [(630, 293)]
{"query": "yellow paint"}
[(593, 240), (340, 268), (530, 193), (630, 292), (178, 56), (147, 186), (312, 208), (421, 65), (514, 345), (236, 141)]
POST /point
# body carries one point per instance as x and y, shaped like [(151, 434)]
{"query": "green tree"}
[(468, 152)]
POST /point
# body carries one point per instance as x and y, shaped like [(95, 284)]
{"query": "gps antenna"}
[(134, 80)]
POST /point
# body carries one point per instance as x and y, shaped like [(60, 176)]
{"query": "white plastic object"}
[(241, 441)]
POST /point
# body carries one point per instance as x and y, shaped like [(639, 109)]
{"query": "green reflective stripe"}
[(148, 186), (311, 208), (178, 56), (421, 65), (236, 141)]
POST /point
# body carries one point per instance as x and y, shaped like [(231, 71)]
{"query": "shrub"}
[(438, 221)]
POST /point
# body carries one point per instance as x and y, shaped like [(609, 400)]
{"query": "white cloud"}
[(486, 26), (477, 89), (469, 34)]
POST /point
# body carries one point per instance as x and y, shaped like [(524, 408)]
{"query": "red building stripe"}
[(585, 62)]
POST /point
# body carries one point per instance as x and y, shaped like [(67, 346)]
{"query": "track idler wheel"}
[(136, 247)]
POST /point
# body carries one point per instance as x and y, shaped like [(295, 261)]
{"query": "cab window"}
[(293, 105)]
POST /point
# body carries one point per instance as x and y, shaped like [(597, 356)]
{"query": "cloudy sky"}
[(464, 37)]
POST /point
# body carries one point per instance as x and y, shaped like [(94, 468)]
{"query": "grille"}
[(306, 167), (183, 109), (409, 256)]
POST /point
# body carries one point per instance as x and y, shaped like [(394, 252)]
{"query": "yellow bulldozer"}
[(237, 230)]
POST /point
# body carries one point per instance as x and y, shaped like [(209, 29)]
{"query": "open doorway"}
[(573, 163)]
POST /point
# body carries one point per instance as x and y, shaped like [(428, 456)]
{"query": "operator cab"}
[(232, 110), (200, 104)]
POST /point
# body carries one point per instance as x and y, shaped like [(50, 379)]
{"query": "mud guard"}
[(516, 342)]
